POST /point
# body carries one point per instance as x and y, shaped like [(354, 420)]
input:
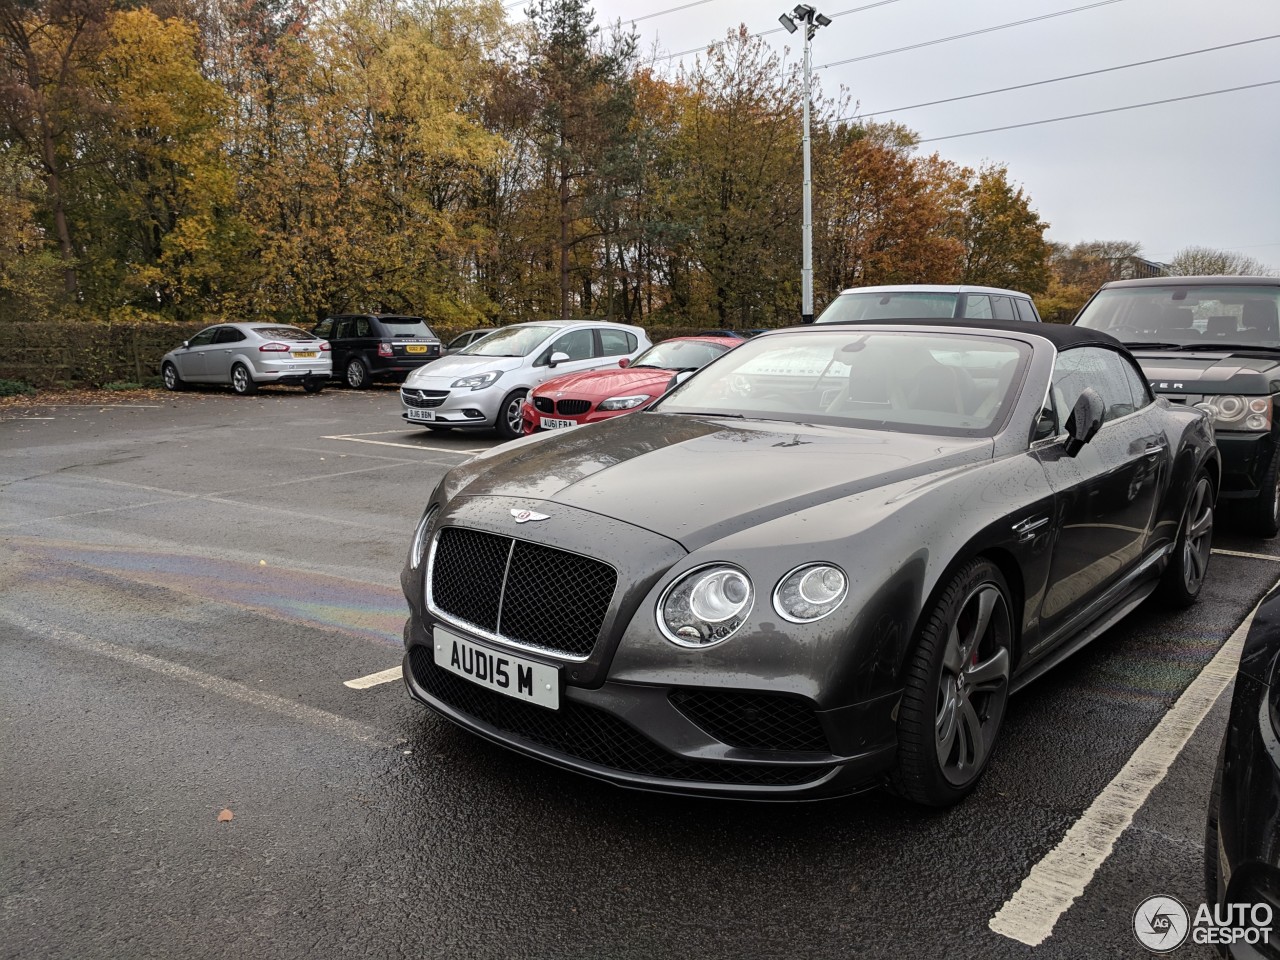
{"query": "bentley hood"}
[(697, 479), (1209, 373)]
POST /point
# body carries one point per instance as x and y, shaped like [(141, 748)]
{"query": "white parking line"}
[(1247, 556), (373, 679), (408, 446), (1054, 883)]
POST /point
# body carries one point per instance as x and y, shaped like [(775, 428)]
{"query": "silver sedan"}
[(245, 355)]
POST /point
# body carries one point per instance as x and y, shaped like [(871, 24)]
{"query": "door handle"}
[(1029, 528), (1158, 447)]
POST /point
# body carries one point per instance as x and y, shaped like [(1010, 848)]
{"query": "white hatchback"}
[(484, 385)]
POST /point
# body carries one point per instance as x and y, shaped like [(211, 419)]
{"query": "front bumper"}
[(635, 735), (532, 417), (1245, 459), (442, 404), (1248, 854)]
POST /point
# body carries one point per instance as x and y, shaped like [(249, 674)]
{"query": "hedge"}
[(78, 353)]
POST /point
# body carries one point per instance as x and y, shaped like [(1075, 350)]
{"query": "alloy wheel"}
[(240, 379), (170, 377), (1198, 541), (515, 423), (355, 374), (973, 685)]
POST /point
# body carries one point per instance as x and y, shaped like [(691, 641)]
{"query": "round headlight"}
[(1229, 408), (419, 545), (810, 592), (705, 606)]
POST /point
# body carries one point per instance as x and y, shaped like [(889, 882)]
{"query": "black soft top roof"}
[(1061, 335)]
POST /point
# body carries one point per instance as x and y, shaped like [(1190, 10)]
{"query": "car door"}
[(324, 330), (340, 345), (192, 360), (219, 357), (580, 346), (1106, 495)]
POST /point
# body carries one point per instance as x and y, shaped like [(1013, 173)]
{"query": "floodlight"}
[(788, 23)]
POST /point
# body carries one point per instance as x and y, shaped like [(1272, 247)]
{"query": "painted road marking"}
[(1061, 877), (227, 688), (373, 679), (408, 446), (1247, 556)]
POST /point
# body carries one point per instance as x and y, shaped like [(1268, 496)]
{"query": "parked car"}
[(484, 385), (377, 346), (578, 398), (1213, 341), (466, 339), (915, 301), (824, 560), (246, 355), (736, 334), (1242, 832)]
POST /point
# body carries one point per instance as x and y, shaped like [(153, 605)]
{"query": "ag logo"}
[(524, 516), (1161, 923)]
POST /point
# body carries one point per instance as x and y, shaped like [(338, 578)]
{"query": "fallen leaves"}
[(226, 816)]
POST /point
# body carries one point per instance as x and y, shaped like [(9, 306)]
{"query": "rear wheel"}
[(357, 375), (957, 684), (1182, 579), (1262, 515), (313, 386), (242, 381), (510, 420), (169, 373)]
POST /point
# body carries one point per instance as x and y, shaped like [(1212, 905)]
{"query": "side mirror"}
[(185, 344), (624, 362), (557, 357), (1085, 420)]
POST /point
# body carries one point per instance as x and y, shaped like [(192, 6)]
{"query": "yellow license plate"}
[(415, 348), (306, 354)]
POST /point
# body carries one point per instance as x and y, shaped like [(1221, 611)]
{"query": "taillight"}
[(274, 348), (324, 346), (384, 349)]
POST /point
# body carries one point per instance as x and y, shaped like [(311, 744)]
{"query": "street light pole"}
[(806, 16)]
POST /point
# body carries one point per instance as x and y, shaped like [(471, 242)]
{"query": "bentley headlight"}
[(624, 403), (477, 381), (1231, 412), (810, 592), (419, 545), (705, 606)]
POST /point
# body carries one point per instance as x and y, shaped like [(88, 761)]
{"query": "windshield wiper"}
[(1215, 345), (1153, 344), (706, 413)]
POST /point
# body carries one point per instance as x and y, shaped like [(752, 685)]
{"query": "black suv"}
[(1213, 342), (377, 346)]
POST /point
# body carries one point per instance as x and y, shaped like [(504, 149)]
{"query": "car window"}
[(517, 341), (1189, 314), (1002, 308), (203, 338), (940, 384), (405, 327), (324, 328), (228, 335), (344, 329), (578, 344), (362, 327), (977, 306), (1139, 389), (1104, 370), (1025, 310), (680, 355), (615, 343), (913, 304), (284, 333)]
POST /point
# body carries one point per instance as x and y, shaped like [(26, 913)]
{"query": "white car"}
[(484, 385), (926, 301), (245, 355)]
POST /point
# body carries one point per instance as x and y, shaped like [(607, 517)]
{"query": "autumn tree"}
[(1077, 270), (1003, 236)]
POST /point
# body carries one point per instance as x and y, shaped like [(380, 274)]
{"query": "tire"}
[(510, 423), (242, 381), (357, 375), (1184, 576), (172, 380), (1262, 514), (313, 386), (956, 688)]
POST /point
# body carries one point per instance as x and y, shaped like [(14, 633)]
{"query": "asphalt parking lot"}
[(188, 585)]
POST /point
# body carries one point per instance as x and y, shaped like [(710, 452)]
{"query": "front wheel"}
[(1182, 579), (1262, 515), (510, 419), (242, 381), (957, 684), (169, 373)]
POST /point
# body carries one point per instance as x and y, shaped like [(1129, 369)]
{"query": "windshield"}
[(943, 384), (889, 306), (284, 333), (406, 326), (680, 355), (516, 341), (1190, 316)]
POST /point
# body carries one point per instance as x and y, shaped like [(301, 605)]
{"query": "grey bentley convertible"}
[(819, 565)]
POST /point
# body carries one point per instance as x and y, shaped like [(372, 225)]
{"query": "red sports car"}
[(578, 398)]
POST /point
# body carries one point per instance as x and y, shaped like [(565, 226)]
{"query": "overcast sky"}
[(1199, 172)]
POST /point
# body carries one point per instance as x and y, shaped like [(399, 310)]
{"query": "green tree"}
[(1003, 236)]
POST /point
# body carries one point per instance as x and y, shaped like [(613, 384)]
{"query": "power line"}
[(1097, 113), (971, 33), (660, 13), (1071, 76), (765, 33)]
